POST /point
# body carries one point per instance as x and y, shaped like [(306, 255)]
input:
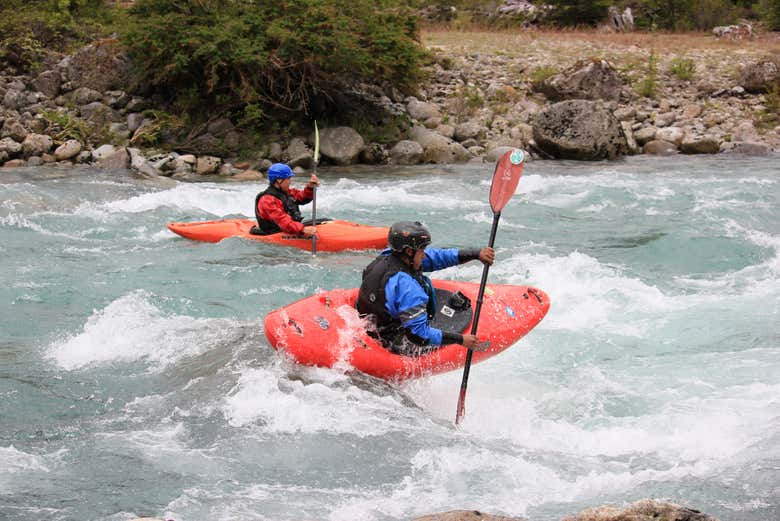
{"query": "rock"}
[(406, 153), (671, 134), (645, 134), (759, 76), (422, 110), (35, 161), (659, 148), (692, 111), (219, 127), (117, 99), (248, 175), (134, 121), (10, 147), (625, 113), (745, 131), (13, 129), (496, 153), (467, 130), (141, 165), (446, 131), (437, 148), (465, 515), (373, 154), (665, 119), (99, 114), (101, 66), (700, 145), (205, 144), (103, 151), (85, 156), (633, 148), (48, 82), (111, 158), (207, 165), (643, 510), (14, 162), (750, 148), (85, 96), (579, 129), (3, 156), (593, 80), (36, 144), (275, 151), (14, 99), (341, 145), (68, 150), (299, 154)]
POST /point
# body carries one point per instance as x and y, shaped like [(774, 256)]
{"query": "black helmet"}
[(408, 234)]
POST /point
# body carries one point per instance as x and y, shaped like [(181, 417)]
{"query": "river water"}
[(135, 378)]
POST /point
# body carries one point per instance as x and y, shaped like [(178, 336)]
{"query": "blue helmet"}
[(279, 171)]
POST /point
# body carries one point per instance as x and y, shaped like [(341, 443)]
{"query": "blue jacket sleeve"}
[(407, 301), (439, 258)]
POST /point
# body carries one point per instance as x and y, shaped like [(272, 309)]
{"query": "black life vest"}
[(372, 299), (268, 227)]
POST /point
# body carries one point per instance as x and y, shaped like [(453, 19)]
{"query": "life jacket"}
[(268, 227), (372, 299)]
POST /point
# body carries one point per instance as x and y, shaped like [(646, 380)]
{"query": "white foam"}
[(131, 328)]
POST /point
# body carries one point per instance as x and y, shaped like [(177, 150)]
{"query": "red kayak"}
[(332, 235), (325, 329)]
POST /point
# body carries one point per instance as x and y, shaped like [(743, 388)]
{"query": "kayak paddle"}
[(314, 197), (509, 168)]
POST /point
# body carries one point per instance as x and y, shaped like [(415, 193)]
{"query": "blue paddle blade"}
[(509, 168)]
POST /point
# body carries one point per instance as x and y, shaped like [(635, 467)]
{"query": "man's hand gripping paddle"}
[(505, 178)]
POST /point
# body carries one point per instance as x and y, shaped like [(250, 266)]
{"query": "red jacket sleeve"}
[(272, 209), (302, 196)]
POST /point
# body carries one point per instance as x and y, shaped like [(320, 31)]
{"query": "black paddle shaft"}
[(475, 323)]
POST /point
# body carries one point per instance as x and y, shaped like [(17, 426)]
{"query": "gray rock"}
[(99, 114), (103, 151), (111, 158), (137, 104), (593, 80), (422, 110), (207, 165), (48, 82), (406, 153), (117, 99), (700, 145), (134, 121), (446, 131), (373, 154), (468, 130), (14, 99), (220, 126), (665, 119), (496, 153), (341, 145), (85, 96), (35, 161), (68, 150), (10, 147), (759, 76), (579, 129), (275, 151), (101, 66), (36, 145), (659, 148), (750, 148), (299, 154), (141, 165), (643, 135), (671, 134)]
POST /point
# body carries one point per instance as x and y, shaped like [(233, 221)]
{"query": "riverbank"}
[(565, 94)]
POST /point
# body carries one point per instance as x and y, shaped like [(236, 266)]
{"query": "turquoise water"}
[(135, 379)]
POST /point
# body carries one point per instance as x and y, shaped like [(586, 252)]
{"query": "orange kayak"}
[(325, 329), (332, 235)]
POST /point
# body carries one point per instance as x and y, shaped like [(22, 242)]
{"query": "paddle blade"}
[(509, 168), (316, 143)]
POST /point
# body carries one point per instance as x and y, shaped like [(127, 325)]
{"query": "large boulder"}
[(437, 148), (341, 145), (68, 150), (593, 80), (422, 110), (579, 129), (759, 76), (406, 153), (102, 66), (36, 144), (48, 82)]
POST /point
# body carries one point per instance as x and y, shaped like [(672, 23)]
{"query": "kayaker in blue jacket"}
[(401, 298)]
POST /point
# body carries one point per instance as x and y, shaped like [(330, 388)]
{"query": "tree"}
[(579, 12)]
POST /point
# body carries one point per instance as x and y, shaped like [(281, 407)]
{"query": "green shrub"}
[(682, 68), (62, 126), (273, 56), (540, 74), (648, 86)]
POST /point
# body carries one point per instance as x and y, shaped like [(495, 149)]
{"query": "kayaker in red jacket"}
[(276, 208)]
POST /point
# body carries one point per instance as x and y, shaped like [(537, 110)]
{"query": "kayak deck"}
[(335, 235), (325, 330)]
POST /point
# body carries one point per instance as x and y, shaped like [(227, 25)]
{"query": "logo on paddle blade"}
[(517, 157)]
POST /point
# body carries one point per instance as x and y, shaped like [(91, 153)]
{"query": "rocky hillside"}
[(584, 96)]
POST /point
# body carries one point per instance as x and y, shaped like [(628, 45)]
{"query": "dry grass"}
[(518, 42)]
